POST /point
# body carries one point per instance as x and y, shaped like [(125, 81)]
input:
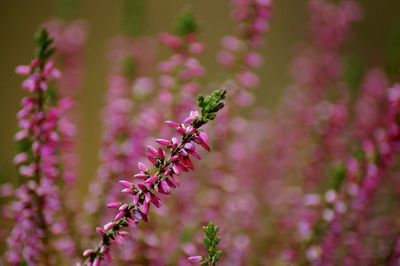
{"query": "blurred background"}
[(20, 19)]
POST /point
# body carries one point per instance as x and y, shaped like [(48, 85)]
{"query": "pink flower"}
[(23, 70), (170, 40), (248, 79), (226, 59), (195, 259), (232, 43), (39, 161), (254, 60)]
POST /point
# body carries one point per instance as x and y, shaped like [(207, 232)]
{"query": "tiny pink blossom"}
[(23, 70), (248, 79), (195, 259), (113, 205)]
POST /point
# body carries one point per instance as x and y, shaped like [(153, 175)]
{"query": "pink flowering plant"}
[(37, 160), (313, 181), (168, 163)]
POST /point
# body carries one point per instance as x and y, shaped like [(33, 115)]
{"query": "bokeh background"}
[(371, 44)]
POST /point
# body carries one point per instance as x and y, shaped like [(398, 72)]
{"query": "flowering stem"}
[(38, 142), (162, 180), (44, 51)]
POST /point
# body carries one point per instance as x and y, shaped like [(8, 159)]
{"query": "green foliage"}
[(339, 176), (133, 18), (353, 75), (187, 235), (359, 154), (129, 67), (211, 241), (51, 95), (209, 106), (44, 43), (186, 23), (24, 145)]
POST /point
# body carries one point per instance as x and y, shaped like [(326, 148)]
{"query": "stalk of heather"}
[(211, 242), (37, 207), (168, 163), (178, 83), (325, 210), (123, 137), (69, 40), (230, 199), (318, 68), (309, 136), (239, 55), (181, 72), (129, 121), (341, 219), (128, 118)]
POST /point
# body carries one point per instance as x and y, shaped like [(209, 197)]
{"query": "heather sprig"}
[(339, 176), (131, 59), (209, 106), (181, 73), (44, 45), (37, 161), (186, 23), (161, 179), (241, 58), (179, 82), (69, 40), (211, 241), (354, 188)]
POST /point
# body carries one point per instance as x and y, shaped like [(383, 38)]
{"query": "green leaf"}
[(211, 242), (209, 106), (129, 67), (217, 255), (43, 45), (339, 176), (354, 73), (24, 145), (207, 242), (186, 23), (51, 95)]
